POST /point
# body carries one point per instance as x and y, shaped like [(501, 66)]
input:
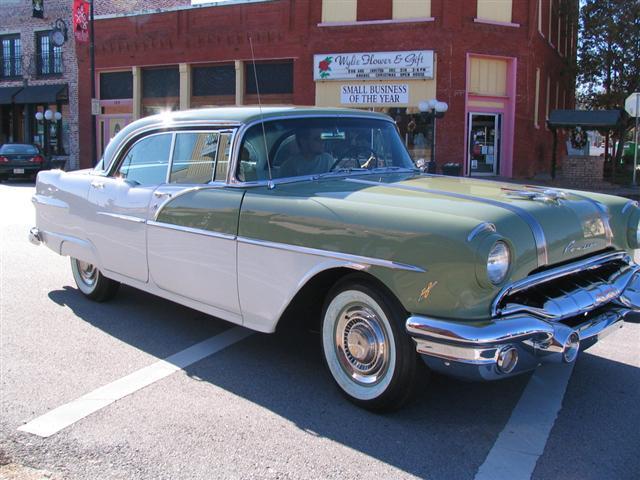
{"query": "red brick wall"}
[(288, 29), (130, 6), (375, 10)]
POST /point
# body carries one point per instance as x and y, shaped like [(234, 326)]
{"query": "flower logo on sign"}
[(325, 67)]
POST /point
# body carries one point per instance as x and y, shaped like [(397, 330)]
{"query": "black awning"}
[(7, 93), (42, 94), (587, 119)]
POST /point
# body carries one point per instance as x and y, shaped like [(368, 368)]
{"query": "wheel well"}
[(305, 308)]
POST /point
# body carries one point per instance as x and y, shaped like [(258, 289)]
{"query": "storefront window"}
[(160, 90), (415, 129), (49, 133)]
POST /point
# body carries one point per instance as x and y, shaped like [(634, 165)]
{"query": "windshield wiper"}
[(393, 168), (341, 171)]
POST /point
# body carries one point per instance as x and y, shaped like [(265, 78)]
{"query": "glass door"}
[(484, 143)]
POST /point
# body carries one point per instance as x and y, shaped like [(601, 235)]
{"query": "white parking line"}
[(65, 415), (522, 441)]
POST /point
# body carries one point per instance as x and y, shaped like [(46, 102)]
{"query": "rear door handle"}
[(162, 194)]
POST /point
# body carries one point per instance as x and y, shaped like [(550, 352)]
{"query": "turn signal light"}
[(37, 159), (4, 159)]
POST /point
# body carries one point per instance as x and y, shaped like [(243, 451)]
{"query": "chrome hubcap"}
[(362, 346), (88, 273)]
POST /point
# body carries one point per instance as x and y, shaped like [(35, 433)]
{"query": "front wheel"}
[(365, 347), (92, 283)]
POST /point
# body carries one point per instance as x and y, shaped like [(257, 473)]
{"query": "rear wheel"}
[(365, 347), (92, 283)]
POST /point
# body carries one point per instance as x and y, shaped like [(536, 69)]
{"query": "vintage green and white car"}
[(248, 214)]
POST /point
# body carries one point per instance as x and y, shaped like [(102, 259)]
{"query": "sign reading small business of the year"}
[(376, 93), (416, 64)]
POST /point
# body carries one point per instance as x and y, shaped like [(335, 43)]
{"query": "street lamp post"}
[(433, 109)]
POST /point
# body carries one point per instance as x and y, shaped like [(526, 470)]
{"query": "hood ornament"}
[(548, 195)]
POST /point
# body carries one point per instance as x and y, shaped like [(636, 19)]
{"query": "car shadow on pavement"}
[(446, 432)]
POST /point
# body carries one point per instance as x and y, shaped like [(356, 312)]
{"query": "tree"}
[(609, 55)]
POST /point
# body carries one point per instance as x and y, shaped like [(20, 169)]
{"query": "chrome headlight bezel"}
[(483, 260), (633, 229), (498, 262)]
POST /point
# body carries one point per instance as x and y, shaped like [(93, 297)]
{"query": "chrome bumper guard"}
[(35, 236), (508, 345)]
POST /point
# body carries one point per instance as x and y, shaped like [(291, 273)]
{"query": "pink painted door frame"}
[(507, 110)]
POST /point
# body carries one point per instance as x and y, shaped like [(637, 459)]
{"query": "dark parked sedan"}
[(21, 160)]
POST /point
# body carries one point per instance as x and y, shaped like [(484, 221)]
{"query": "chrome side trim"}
[(485, 226), (555, 273), (49, 201), (355, 259), (127, 218), (536, 228), (196, 231)]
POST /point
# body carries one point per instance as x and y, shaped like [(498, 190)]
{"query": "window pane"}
[(116, 85), (272, 77), (44, 54), (146, 162), (216, 80), (17, 55), (314, 146), (194, 157), (160, 83), (224, 150)]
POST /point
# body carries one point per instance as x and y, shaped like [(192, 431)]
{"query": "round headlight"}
[(498, 262)]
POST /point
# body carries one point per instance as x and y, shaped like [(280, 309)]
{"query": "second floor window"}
[(49, 57), (11, 56)]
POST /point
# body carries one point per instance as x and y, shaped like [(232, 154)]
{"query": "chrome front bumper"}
[(513, 344)]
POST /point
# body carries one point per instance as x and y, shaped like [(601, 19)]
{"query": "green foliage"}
[(608, 52)]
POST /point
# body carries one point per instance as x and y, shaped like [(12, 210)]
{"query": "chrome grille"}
[(569, 290)]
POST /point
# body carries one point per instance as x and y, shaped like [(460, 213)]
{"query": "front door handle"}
[(98, 185)]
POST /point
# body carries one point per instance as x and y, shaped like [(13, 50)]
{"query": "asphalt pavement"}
[(264, 406)]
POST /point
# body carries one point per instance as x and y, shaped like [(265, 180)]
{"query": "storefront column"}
[(185, 86), (137, 92), (239, 82)]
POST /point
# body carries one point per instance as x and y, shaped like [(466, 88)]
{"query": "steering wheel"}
[(368, 155)]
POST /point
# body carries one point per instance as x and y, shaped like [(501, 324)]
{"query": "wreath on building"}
[(578, 138)]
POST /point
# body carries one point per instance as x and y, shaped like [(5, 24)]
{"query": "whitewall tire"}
[(365, 347), (91, 282)]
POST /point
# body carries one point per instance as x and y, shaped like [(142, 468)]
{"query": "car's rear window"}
[(18, 148)]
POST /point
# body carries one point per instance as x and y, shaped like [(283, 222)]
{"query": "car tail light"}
[(4, 159), (37, 159)]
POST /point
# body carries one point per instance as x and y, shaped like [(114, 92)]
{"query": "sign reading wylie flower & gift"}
[(416, 64), (374, 93)]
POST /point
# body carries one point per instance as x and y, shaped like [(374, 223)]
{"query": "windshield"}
[(18, 148), (316, 146)]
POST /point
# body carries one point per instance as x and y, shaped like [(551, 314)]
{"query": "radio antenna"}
[(264, 133)]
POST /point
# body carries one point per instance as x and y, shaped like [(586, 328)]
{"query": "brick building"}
[(500, 65), (37, 77)]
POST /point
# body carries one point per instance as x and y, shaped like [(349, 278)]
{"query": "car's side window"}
[(194, 157), (147, 160), (224, 156)]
